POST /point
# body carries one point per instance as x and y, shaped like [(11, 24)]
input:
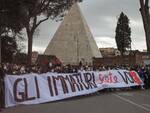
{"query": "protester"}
[(20, 69)]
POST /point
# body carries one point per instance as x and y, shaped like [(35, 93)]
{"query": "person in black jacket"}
[(148, 78)]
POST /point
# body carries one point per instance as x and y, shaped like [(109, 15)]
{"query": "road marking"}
[(131, 102), (147, 105), (125, 94)]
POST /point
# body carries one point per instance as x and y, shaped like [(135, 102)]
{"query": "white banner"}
[(39, 88)]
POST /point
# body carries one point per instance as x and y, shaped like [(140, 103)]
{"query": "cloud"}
[(39, 48), (101, 16), (103, 42)]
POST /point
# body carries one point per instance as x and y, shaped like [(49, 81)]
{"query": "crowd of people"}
[(20, 69)]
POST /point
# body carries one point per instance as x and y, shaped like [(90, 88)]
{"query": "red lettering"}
[(107, 78)]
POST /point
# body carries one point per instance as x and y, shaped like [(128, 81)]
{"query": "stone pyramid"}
[(73, 41)]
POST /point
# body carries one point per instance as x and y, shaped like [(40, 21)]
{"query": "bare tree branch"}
[(41, 22)]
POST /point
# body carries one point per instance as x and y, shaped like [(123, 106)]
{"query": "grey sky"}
[(101, 16)]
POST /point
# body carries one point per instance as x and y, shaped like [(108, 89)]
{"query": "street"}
[(137, 101)]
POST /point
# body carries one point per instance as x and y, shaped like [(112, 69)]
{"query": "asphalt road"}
[(109, 102)]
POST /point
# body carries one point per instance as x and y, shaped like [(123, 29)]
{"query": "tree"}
[(145, 13), (123, 34), (9, 46), (9, 17), (32, 13), (9, 22)]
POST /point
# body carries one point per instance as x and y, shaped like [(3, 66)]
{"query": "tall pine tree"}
[(123, 34)]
